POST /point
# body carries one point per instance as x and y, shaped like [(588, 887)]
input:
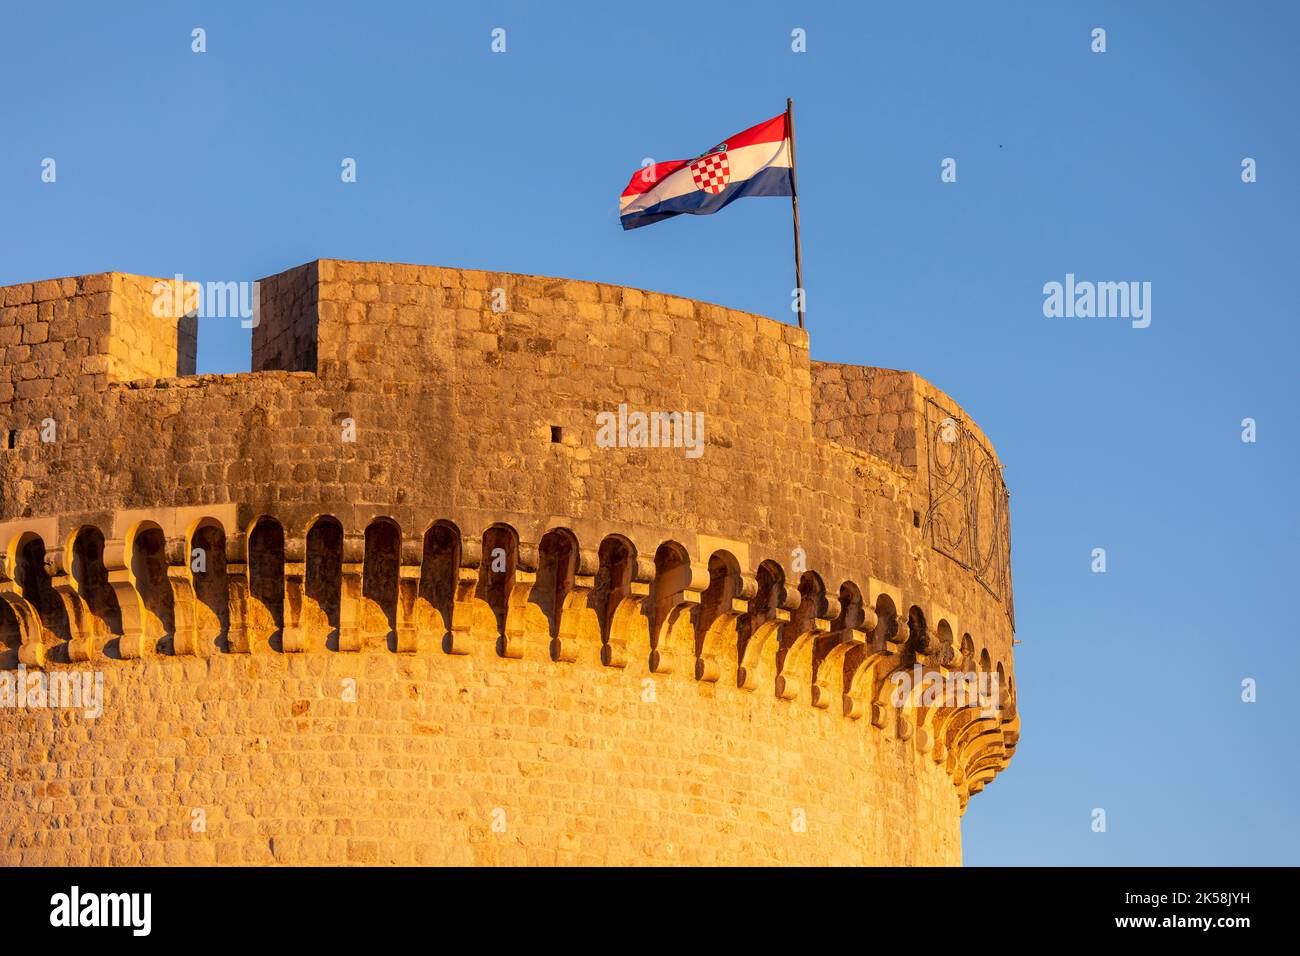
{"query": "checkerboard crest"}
[(712, 172)]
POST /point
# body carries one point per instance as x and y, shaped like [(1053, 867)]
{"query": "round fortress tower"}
[(478, 568)]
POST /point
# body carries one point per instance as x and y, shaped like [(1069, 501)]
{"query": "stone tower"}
[(394, 597)]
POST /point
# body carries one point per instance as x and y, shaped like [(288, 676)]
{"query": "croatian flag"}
[(753, 163)]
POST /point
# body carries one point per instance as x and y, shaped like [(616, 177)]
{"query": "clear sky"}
[(1115, 166)]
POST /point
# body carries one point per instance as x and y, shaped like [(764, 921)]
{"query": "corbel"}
[(761, 635), (628, 630), (294, 637), (472, 619), (350, 591), (523, 617), (238, 640), (674, 636), (831, 655), (577, 623), (180, 578), (134, 638), (794, 658), (81, 621), (31, 648), (413, 612), (721, 638)]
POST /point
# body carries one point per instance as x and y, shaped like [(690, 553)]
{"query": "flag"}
[(756, 162)]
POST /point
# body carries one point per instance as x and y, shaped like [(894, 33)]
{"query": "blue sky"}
[(1124, 165)]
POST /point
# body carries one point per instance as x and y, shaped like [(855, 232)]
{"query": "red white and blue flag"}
[(756, 162)]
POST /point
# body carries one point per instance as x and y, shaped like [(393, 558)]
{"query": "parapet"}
[(63, 336)]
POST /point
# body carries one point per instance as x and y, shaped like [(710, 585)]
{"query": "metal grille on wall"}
[(968, 519)]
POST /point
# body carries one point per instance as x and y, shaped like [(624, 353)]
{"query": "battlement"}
[(61, 336), (411, 490)]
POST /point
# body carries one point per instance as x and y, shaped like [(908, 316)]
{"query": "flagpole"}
[(794, 205)]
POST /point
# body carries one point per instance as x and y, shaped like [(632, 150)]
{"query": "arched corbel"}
[(945, 721), (350, 590), (472, 618), (295, 638), (986, 756), (950, 736), (237, 592), (810, 621), (578, 624), (674, 633), (414, 613), (1011, 733), (831, 654), (134, 640), (869, 668), (718, 647), (524, 619), (31, 649), (943, 687), (199, 588), (760, 641), (986, 763), (180, 578), (986, 715), (901, 657), (979, 733), (627, 632), (920, 715), (934, 722), (81, 622)]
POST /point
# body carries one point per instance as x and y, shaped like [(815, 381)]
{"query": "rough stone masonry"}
[(384, 599)]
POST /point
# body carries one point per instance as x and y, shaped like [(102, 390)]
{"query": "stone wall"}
[(571, 761), (874, 410)]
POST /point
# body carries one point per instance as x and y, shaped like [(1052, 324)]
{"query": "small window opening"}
[(557, 434), (13, 438), (916, 519)]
